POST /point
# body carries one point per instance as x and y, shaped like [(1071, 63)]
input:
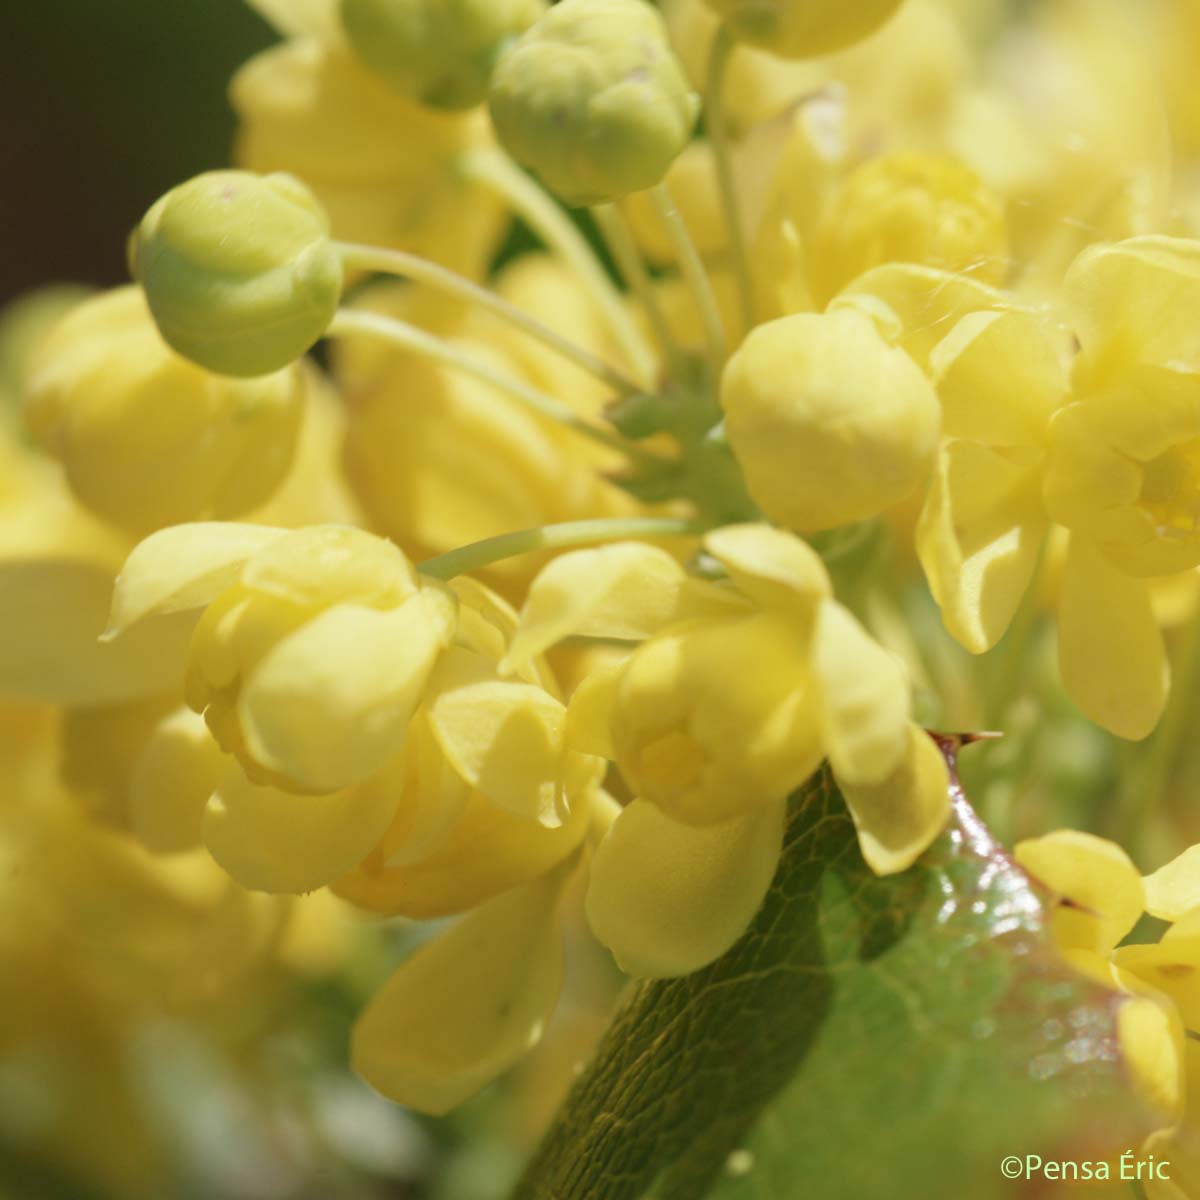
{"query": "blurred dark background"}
[(104, 104)]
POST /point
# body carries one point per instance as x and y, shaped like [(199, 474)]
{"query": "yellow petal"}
[(1152, 1043), (175, 773), (52, 612), (1097, 878), (668, 898), (865, 700), (1132, 301), (1174, 889), (329, 705), (899, 818), (628, 590), (999, 376), (273, 841), (589, 714), (716, 718), (503, 737), (434, 797), (467, 1006), (1110, 651), (978, 540), (486, 852), (183, 567), (773, 567), (915, 306), (1172, 967)]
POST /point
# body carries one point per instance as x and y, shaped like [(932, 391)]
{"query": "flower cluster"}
[(546, 591)]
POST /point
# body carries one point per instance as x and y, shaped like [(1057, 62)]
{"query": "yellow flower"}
[(147, 438), (829, 423), (736, 694), (313, 648), (1099, 897), (383, 168), (909, 207), (1102, 446)]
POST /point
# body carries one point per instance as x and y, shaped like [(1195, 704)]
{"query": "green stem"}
[(693, 270), (554, 537), (724, 43), (624, 250), (416, 341), (421, 270), (555, 228)]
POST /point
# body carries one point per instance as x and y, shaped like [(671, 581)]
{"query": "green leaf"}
[(867, 1038)]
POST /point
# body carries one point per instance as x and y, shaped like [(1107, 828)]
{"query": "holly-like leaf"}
[(867, 1039)]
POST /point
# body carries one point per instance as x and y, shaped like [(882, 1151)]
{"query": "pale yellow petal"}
[(999, 376), (668, 898), (978, 539), (503, 737), (1172, 967), (1110, 651), (183, 567), (52, 612), (628, 591), (468, 1006), (486, 851), (1174, 889), (915, 306), (329, 705), (175, 773), (1152, 1043), (1097, 879), (898, 819), (589, 714), (770, 565), (1133, 301), (865, 700), (273, 841)]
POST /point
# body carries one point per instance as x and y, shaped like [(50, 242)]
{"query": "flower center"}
[(1171, 490)]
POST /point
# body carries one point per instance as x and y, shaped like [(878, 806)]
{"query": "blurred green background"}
[(104, 104)]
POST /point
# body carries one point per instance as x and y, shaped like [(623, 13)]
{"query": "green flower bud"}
[(437, 52), (593, 100), (803, 28), (239, 270)]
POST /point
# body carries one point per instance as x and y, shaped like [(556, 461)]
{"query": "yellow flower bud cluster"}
[(878, 291)]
